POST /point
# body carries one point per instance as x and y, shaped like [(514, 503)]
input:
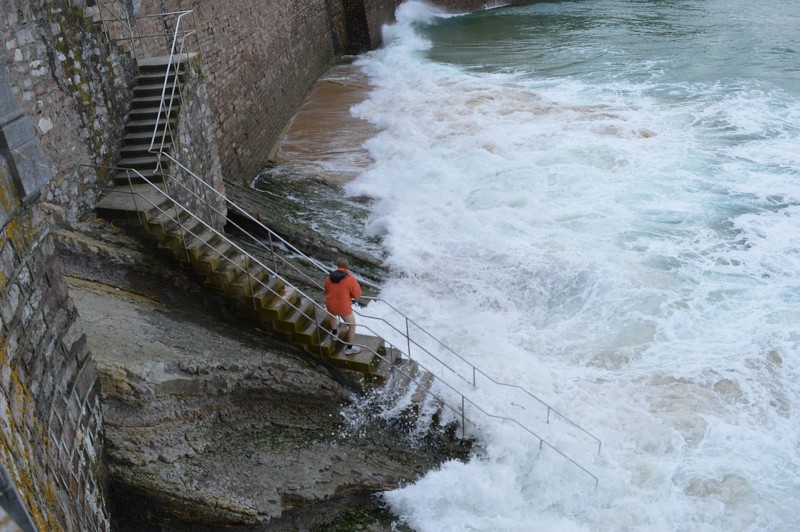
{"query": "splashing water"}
[(599, 201)]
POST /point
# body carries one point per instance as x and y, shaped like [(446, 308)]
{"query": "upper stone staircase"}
[(152, 119)]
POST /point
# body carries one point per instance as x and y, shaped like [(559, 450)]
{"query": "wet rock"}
[(209, 424)]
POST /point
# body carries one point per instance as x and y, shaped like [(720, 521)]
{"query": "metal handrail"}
[(165, 108), (131, 25), (104, 9), (175, 85), (475, 369), (320, 330)]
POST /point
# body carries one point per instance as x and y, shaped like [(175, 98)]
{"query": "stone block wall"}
[(200, 169), (51, 434), (76, 89)]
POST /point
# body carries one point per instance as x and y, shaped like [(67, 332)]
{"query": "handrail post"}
[(272, 252), (408, 339), (463, 418)]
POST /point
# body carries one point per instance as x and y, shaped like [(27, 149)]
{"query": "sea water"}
[(599, 201)]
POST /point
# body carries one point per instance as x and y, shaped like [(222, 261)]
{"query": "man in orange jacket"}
[(341, 288)]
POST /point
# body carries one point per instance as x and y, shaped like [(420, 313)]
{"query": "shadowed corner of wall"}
[(13, 515)]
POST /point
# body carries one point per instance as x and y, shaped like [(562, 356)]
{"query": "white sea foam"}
[(627, 250)]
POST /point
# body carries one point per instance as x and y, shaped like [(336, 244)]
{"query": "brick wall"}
[(261, 58)]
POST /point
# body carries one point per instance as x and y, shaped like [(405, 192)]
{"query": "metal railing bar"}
[(409, 320), (170, 64), (251, 237), (176, 219), (316, 318), (478, 370), (152, 36)]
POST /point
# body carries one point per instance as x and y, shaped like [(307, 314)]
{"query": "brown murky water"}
[(324, 138)]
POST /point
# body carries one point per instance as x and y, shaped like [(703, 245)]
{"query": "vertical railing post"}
[(133, 195), (463, 418), (408, 339), (272, 252)]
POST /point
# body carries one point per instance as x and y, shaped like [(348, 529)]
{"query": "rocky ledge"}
[(209, 424)]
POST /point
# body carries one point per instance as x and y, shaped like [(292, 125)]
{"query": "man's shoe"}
[(352, 350)]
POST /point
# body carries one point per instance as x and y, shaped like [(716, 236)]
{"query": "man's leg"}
[(350, 320), (335, 326)]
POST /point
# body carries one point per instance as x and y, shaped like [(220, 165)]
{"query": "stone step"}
[(247, 283), (161, 61), (230, 266), (363, 361), (157, 77), (277, 307), (384, 364), (140, 149), (187, 247), (316, 334), (171, 223), (298, 317), (123, 178), (154, 89), (151, 112), (265, 296), (145, 162), (424, 382), (152, 100), (197, 236), (144, 137), (134, 126), (325, 349), (405, 371), (209, 255)]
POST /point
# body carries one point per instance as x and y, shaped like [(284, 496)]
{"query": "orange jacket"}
[(340, 289)]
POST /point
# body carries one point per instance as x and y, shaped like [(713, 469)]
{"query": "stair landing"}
[(365, 360), (129, 201)]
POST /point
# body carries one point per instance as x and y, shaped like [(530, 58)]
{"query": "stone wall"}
[(51, 435), (199, 174), (75, 88)]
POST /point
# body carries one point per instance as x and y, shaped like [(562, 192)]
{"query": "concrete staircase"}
[(144, 121), (248, 288)]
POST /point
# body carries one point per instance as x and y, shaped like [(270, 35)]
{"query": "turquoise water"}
[(599, 201)]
